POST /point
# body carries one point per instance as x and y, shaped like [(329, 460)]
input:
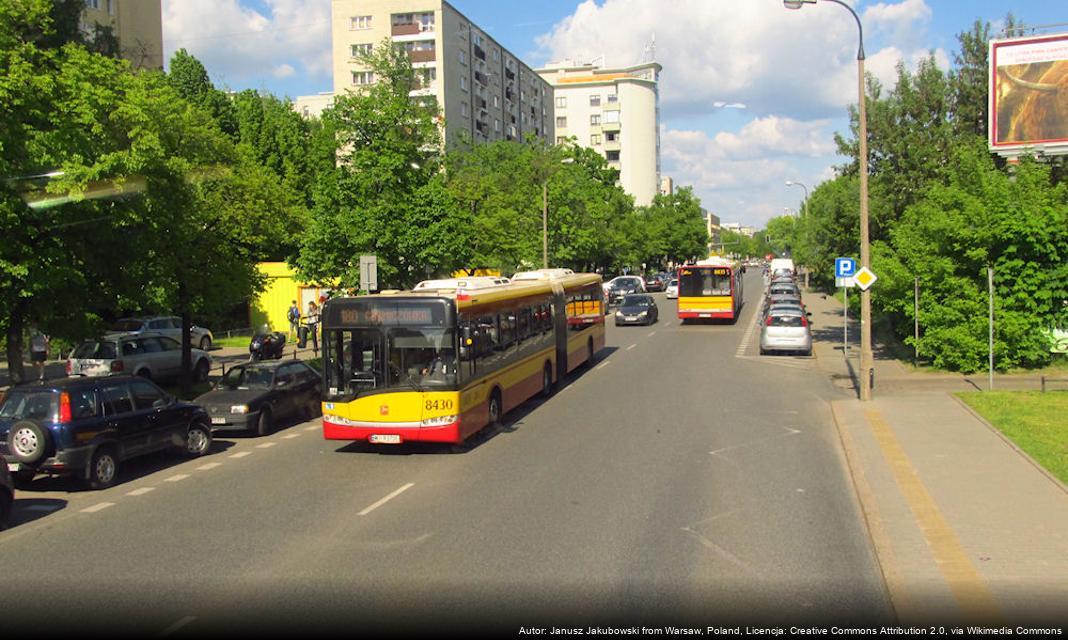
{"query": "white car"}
[(170, 326), (673, 288), (148, 355)]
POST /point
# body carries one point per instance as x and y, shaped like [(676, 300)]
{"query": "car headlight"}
[(239, 408), (619, 314), (643, 313)]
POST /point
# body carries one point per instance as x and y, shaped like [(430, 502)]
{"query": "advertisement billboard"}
[(1029, 95)]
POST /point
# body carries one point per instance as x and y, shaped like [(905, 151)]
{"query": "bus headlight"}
[(439, 421), (239, 408)]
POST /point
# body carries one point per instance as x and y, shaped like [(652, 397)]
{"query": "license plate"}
[(12, 466), (630, 318), (705, 315), (385, 438), (218, 420)]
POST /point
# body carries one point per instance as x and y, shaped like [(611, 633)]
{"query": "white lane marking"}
[(176, 626), (291, 436), (667, 324), (266, 445), (241, 454), (98, 507), (209, 466), (602, 365), (743, 346), (386, 499), (314, 427), (180, 476), (631, 347), (142, 491), (651, 334)]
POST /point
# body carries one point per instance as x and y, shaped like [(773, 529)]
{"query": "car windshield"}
[(127, 324), (787, 320), (635, 301), (95, 350), (33, 404), (421, 357), (247, 378), (418, 358)]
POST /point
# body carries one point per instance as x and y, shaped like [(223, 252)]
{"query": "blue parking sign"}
[(845, 267)]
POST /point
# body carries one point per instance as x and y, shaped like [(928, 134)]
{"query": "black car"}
[(255, 395), (89, 426), (7, 495), (637, 308)]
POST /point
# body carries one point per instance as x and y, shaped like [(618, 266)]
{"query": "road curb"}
[(869, 511), (1004, 438)]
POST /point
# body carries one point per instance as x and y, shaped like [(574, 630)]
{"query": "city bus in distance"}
[(710, 289), (442, 361)]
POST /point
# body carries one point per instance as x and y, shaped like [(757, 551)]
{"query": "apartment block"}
[(615, 111), (484, 91), (137, 24)]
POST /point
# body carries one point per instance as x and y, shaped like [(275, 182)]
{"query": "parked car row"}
[(786, 323), (88, 426)]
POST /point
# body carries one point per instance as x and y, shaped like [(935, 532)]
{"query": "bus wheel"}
[(495, 409), (546, 380)]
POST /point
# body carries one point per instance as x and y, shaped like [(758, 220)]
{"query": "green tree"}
[(190, 79)]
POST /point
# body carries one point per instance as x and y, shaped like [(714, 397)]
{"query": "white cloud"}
[(243, 47)]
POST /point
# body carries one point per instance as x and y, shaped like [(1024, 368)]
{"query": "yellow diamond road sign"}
[(865, 278)]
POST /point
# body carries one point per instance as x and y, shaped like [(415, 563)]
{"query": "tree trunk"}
[(184, 379), (16, 322)]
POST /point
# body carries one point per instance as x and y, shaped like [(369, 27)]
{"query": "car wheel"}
[(103, 468), (546, 380), (205, 343), (27, 441), (198, 440), (202, 370), (264, 425)]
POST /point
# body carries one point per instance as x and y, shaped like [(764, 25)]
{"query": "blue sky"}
[(794, 71)]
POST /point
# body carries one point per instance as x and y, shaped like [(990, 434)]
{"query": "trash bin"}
[(302, 336)]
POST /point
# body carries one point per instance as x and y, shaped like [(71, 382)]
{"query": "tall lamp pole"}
[(867, 372), (545, 224), (804, 206)]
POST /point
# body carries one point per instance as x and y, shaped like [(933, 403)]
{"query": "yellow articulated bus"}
[(440, 362), (710, 289)]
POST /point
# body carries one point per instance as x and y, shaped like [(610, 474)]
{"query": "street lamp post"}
[(545, 224), (804, 206), (867, 373)]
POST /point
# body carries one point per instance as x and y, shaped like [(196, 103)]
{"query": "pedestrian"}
[(38, 351), (312, 320), (294, 319)]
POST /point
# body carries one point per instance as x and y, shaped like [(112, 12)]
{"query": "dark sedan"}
[(637, 308), (254, 396)]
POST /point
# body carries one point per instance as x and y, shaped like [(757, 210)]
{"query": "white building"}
[(312, 106), (484, 91), (615, 111)]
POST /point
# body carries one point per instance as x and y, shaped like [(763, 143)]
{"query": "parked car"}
[(780, 298), (654, 283), (784, 288), (256, 395), (619, 287), (7, 495), (170, 326), (786, 330), (90, 426), (146, 355), (672, 288), (637, 308)]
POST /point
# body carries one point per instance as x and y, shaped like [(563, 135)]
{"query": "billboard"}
[(1029, 95)]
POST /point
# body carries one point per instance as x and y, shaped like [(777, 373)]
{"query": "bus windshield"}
[(705, 282), (366, 359)]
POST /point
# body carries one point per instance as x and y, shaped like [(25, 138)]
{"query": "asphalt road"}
[(681, 479)]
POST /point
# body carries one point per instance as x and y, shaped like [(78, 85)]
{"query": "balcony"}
[(421, 55), (610, 126), (612, 145), (408, 29), (480, 53)]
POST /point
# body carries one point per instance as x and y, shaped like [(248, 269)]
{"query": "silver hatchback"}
[(786, 330), (170, 326), (148, 355)]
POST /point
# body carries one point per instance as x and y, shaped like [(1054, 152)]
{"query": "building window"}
[(361, 50), (111, 6), (496, 54), (612, 98), (496, 102), (561, 122), (595, 119), (92, 4), (463, 57), (561, 102), (611, 116), (496, 125), (463, 83), (611, 136), (595, 100), (360, 22), (561, 139), (477, 39), (595, 139), (360, 78), (612, 156), (464, 109)]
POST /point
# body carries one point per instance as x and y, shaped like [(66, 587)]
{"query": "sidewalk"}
[(967, 529), (222, 357)]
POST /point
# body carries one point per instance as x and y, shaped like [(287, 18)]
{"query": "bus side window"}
[(523, 327), (506, 321)]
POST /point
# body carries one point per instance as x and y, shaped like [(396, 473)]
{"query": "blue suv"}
[(89, 426)]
